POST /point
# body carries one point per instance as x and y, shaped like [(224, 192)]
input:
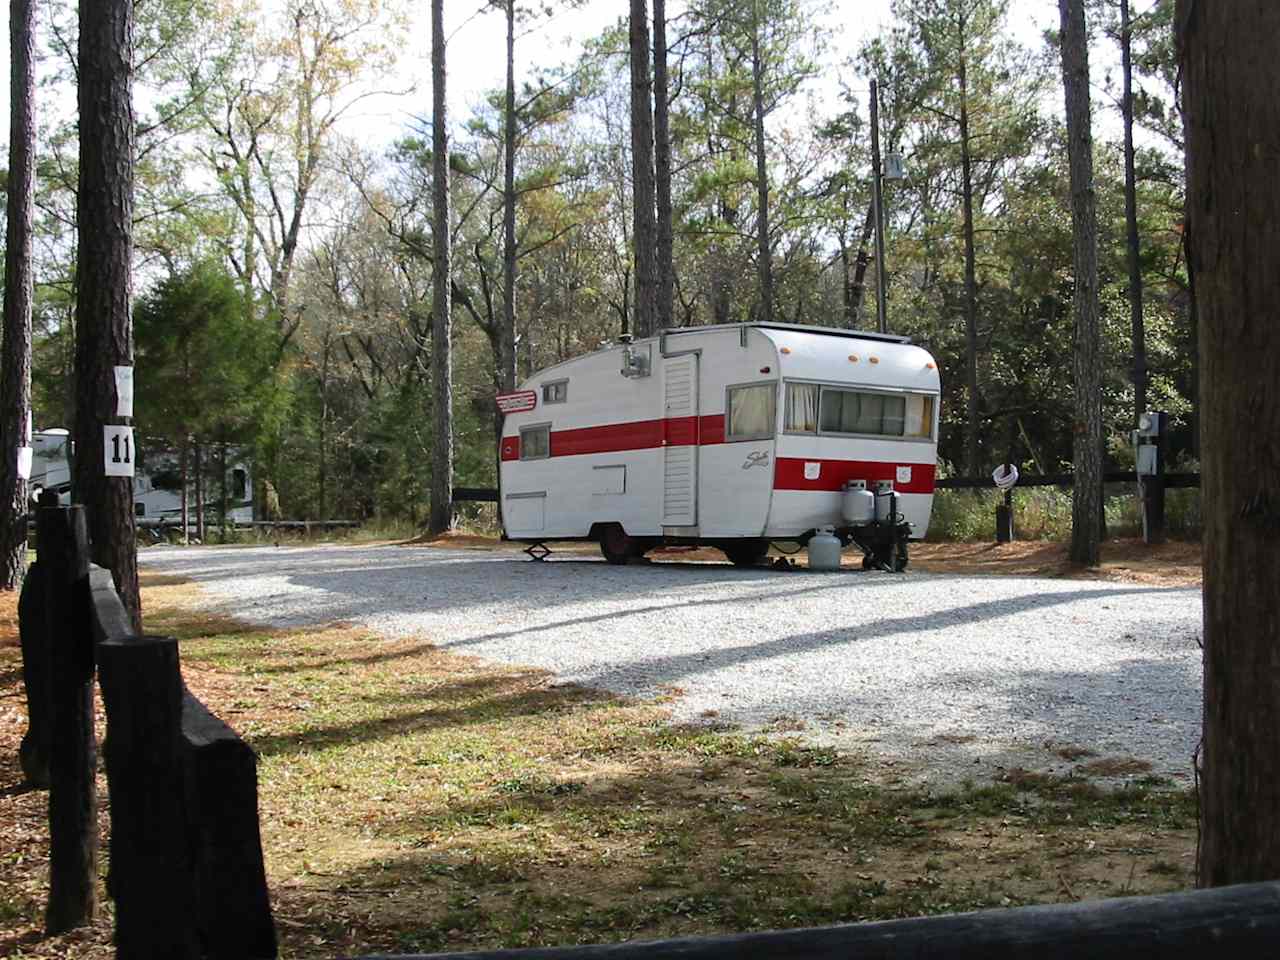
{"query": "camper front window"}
[(535, 443), (876, 414), (750, 412), (555, 392)]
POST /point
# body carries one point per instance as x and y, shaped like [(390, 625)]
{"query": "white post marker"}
[(25, 454), (124, 392), (117, 449)]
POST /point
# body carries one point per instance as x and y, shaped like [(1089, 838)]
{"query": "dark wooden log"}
[(233, 909), (151, 879), (73, 756), (1240, 922), (33, 753)]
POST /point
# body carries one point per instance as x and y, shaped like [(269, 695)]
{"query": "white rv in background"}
[(157, 485), (730, 436)]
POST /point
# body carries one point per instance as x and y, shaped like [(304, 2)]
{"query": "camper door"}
[(680, 441)]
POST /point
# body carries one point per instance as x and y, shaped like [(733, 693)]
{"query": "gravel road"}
[(935, 677)]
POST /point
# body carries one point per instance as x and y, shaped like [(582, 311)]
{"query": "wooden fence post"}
[(73, 797), (33, 754), (233, 909), (151, 880)]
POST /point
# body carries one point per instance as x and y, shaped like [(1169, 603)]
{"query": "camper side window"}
[(555, 392), (801, 412), (750, 413), (535, 443)]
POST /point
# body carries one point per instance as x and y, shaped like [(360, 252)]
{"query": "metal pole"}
[(877, 194)]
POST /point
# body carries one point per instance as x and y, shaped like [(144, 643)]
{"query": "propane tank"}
[(884, 501), (858, 504), (824, 550)]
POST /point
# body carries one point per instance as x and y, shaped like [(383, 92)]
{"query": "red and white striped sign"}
[(519, 402)]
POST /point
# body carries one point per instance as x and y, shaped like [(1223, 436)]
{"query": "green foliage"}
[(201, 358)]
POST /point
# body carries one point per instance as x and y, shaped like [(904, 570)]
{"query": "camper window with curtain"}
[(800, 414), (853, 411), (750, 412), (535, 443), (919, 425)]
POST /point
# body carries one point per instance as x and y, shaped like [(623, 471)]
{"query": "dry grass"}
[(413, 799)]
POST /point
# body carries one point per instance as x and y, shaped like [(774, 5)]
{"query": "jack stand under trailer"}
[(538, 551), (883, 547)]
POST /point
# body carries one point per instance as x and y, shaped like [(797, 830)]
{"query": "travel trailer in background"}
[(157, 485), (729, 436)]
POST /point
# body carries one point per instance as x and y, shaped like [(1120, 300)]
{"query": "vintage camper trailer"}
[(157, 486), (732, 436)]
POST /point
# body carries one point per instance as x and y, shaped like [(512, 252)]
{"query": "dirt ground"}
[(1129, 560)]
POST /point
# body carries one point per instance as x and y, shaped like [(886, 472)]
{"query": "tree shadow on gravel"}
[(671, 669)]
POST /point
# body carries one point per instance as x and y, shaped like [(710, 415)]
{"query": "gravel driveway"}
[(940, 677)]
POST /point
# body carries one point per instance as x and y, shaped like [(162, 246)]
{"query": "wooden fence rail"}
[(1240, 922), (187, 873)]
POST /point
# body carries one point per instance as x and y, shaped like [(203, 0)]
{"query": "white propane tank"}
[(824, 550), (858, 505), (884, 501)]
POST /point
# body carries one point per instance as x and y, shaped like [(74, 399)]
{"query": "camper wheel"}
[(745, 553), (616, 546)]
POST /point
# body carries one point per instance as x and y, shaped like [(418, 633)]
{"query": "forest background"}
[(283, 252)]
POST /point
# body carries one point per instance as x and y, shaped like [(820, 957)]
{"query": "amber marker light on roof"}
[(785, 350), (875, 359), (853, 358), (929, 364)]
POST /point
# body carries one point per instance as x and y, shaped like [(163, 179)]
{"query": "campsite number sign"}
[(117, 450)]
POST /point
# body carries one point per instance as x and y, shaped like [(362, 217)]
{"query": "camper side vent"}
[(635, 360)]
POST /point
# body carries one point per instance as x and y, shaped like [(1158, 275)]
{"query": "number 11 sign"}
[(117, 443)]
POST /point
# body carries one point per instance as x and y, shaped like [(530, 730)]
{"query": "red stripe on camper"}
[(789, 474), (612, 438), (712, 429), (636, 435)]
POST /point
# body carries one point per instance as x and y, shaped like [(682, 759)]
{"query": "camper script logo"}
[(759, 458)]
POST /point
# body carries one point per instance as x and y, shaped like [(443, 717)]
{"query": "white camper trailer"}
[(731, 436), (157, 485)]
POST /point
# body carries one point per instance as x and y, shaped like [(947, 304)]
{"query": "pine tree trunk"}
[(200, 498), (441, 294), (1228, 57), (858, 287), (972, 454), (507, 335), (1086, 492), (764, 249), (185, 500), (644, 201), (662, 166), (104, 325), (1131, 219), (15, 365)]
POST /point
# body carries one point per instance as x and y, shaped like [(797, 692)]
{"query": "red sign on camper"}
[(519, 402)]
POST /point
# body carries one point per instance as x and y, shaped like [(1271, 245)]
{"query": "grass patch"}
[(416, 800)]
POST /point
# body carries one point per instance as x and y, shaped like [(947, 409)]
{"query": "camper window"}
[(535, 443), (750, 411), (919, 424), (555, 392), (801, 411), (852, 411)]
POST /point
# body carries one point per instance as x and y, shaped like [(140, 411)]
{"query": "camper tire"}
[(616, 546), (745, 553)]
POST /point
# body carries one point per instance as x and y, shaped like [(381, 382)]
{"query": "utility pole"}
[(877, 194)]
